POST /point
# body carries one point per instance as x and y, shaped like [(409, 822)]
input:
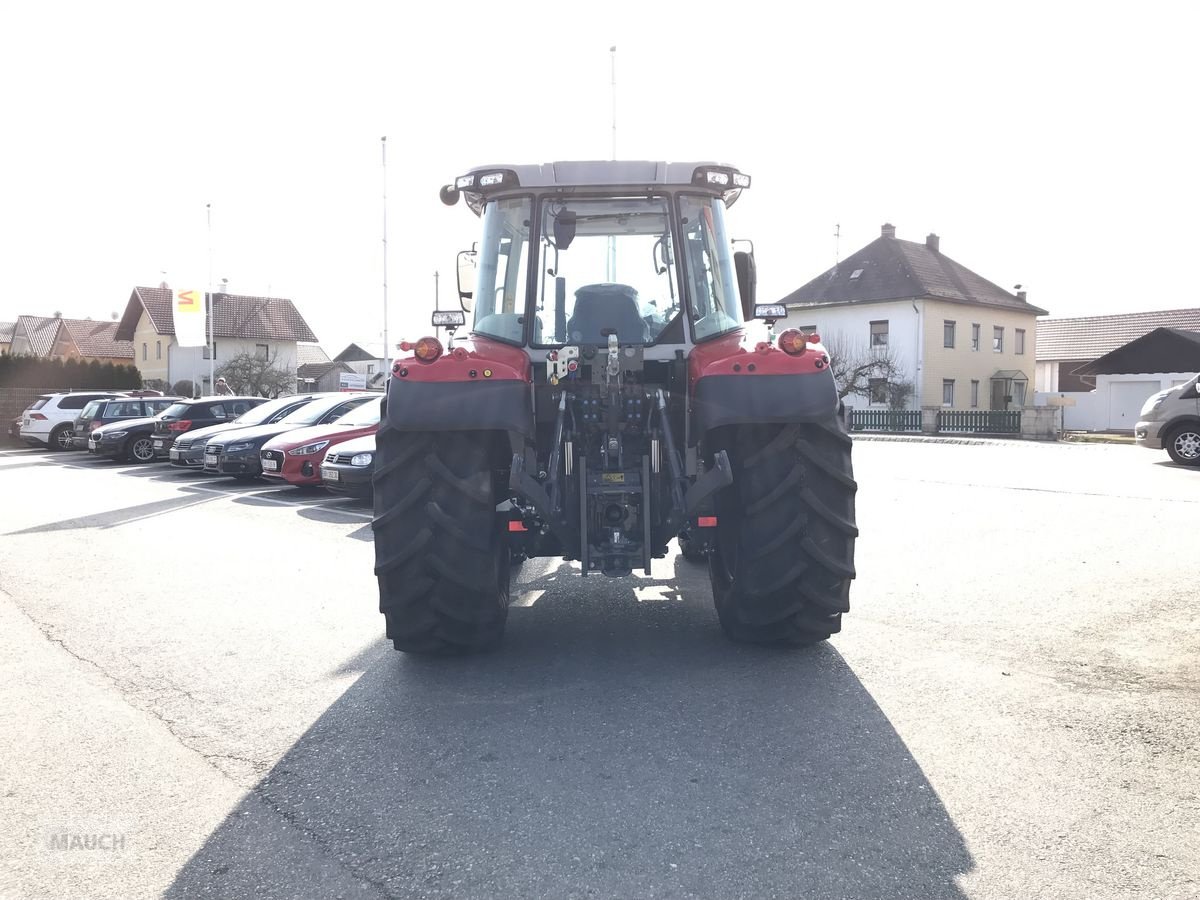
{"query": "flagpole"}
[(212, 353), (385, 357)]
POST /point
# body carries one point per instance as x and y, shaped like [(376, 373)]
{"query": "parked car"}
[(188, 450), (295, 456), (186, 415), (1170, 419), (129, 439), (236, 454), (48, 421), (114, 409), (349, 466)]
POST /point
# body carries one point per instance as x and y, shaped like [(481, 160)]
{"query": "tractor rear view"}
[(613, 394)]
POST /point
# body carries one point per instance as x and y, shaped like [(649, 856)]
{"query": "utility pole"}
[(386, 359), (212, 362)]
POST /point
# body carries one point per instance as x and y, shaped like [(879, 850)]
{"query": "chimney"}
[(888, 230), (224, 286), (1021, 296), (933, 242)]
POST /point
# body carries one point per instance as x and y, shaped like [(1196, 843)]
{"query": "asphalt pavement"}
[(196, 700)]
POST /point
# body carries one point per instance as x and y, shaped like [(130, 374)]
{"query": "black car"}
[(131, 439), (188, 450), (348, 467), (236, 453), (114, 409), (192, 415)]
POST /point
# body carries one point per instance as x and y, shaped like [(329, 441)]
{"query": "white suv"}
[(49, 420)]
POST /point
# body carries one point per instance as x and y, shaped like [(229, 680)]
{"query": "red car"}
[(295, 456)]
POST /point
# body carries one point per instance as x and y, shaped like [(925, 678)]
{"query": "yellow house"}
[(924, 323), (267, 327)]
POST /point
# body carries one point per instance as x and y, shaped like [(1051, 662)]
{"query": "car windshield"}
[(40, 402), (311, 413), (89, 411), (175, 410), (264, 412), (367, 414)]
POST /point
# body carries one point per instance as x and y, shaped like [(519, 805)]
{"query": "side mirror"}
[(466, 275), (747, 277)]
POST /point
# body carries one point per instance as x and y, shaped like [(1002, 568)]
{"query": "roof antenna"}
[(837, 244)]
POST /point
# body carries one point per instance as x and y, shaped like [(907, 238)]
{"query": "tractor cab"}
[(571, 254)]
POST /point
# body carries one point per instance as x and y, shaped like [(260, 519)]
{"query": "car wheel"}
[(141, 450), (1183, 445), (61, 438)]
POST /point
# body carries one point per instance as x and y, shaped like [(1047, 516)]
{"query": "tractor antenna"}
[(613, 56), (386, 355)]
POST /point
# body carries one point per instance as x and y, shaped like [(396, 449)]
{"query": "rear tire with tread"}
[(784, 554), (442, 561), (61, 438)]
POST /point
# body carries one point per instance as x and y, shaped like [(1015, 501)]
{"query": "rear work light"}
[(427, 349), (793, 341), (181, 425)]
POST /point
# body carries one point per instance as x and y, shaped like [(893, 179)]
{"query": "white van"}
[(1171, 420)]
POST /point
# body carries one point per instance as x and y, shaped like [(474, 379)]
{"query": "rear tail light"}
[(181, 425), (427, 349), (37, 417), (792, 341)]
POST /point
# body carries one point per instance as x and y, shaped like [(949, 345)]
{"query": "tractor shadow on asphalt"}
[(615, 746)]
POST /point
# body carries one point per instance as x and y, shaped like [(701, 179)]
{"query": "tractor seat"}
[(601, 309)]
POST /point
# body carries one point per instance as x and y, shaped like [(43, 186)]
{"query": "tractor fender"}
[(478, 385), (738, 381)]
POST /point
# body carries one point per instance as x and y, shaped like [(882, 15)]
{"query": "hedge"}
[(59, 374)]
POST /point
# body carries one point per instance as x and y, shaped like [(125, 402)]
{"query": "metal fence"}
[(896, 420), (980, 421)]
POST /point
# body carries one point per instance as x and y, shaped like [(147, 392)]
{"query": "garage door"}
[(1125, 402)]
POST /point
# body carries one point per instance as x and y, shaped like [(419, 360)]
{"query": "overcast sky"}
[(1048, 144)]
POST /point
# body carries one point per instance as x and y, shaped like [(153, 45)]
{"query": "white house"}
[(959, 340), (267, 327), (362, 362)]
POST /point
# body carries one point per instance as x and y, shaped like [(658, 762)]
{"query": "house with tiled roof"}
[(321, 376), (35, 335), (6, 336), (364, 363), (1102, 369), (960, 340), (268, 327)]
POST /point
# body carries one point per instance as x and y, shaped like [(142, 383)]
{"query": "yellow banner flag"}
[(190, 320)]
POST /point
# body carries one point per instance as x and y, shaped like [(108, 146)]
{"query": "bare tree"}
[(855, 366), (249, 373)]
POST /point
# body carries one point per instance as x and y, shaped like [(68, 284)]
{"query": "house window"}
[(158, 349), (879, 334), (211, 352), (262, 351), (809, 329), (975, 336), (947, 333), (370, 368), (998, 338), (1020, 341), (1019, 393), (144, 354), (878, 390), (974, 394), (947, 392)]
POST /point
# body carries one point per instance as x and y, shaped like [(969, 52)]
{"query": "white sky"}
[(1049, 144)]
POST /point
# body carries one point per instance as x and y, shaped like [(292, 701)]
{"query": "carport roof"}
[(1162, 350), (1090, 337)]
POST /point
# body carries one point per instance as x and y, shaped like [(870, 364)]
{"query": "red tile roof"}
[(1090, 337), (41, 332), (96, 339), (234, 316)]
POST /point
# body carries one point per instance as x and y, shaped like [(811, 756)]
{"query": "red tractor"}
[(612, 395)]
